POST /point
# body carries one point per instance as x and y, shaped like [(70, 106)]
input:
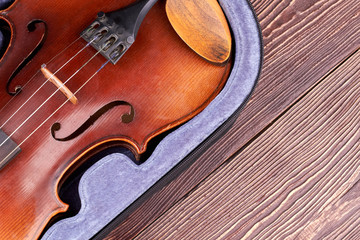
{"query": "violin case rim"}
[(99, 214)]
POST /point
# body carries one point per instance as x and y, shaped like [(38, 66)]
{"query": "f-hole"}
[(125, 118), (31, 28)]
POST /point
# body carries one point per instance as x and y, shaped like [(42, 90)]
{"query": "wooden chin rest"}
[(202, 26)]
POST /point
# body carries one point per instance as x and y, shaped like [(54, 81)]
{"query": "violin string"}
[(28, 82), (52, 114), (47, 80), (33, 113)]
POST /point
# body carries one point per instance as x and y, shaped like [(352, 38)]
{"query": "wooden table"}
[(290, 165)]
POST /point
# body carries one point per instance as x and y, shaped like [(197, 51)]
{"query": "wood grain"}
[(300, 179), (203, 27), (55, 136), (303, 41)]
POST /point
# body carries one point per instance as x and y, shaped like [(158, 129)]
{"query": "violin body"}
[(158, 84)]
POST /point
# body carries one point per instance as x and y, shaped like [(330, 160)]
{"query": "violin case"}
[(113, 182)]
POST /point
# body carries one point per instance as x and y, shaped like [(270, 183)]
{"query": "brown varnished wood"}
[(203, 26), (299, 180), (304, 41), (164, 80)]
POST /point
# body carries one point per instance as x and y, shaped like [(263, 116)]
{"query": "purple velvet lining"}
[(114, 182)]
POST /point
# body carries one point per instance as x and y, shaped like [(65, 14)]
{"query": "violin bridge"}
[(59, 84)]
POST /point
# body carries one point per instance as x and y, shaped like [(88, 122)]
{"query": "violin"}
[(77, 78)]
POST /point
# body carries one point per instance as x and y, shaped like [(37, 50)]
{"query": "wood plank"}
[(303, 41), (299, 179)]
